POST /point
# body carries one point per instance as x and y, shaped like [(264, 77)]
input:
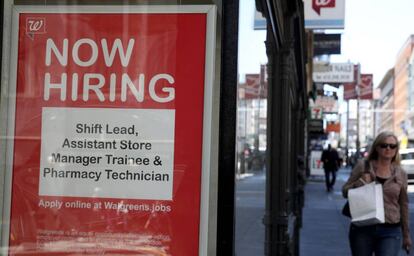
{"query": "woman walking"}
[(382, 166)]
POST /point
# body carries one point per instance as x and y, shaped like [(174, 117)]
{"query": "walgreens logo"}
[(317, 5), (35, 25)]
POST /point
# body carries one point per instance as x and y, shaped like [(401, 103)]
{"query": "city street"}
[(324, 231)]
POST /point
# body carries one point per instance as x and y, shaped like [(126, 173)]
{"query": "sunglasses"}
[(386, 145)]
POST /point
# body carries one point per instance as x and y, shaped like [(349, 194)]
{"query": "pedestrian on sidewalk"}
[(382, 166), (331, 162)]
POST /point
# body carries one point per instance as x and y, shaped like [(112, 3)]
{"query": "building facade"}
[(401, 88), (410, 99), (287, 115), (384, 105)]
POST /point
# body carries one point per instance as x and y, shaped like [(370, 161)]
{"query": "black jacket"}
[(330, 159)]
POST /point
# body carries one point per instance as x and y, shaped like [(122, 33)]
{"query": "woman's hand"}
[(407, 245), (367, 177)]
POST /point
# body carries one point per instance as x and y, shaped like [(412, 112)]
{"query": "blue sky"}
[(375, 30)]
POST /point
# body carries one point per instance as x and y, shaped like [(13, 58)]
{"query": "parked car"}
[(407, 162)]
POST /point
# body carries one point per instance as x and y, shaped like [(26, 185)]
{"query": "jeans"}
[(383, 239), (330, 182)]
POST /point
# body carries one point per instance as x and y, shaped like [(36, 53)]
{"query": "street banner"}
[(366, 87), (109, 114), (324, 14), (255, 87), (350, 92), (333, 72), (350, 89), (252, 86)]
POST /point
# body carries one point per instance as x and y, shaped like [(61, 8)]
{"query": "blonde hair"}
[(373, 154)]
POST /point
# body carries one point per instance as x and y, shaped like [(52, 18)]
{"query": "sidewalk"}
[(250, 209), (325, 229)]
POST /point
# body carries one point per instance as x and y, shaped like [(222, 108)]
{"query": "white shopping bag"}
[(366, 204)]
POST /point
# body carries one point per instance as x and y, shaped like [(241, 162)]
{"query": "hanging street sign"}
[(333, 72), (326, 44), (366, 87), (324, 14)]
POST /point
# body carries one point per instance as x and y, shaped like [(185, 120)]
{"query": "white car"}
[(407, 162)]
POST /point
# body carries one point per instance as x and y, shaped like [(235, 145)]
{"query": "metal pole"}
[(227, 136), (256, 142), (357, 110), (357, 138), (347, 130)]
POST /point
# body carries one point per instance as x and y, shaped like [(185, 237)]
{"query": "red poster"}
[(108, 131), (350, 92), (366, 87)]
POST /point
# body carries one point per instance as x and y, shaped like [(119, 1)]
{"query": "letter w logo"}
[(35, 26), (317, 5)]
